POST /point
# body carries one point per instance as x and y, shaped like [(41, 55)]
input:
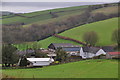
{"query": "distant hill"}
[(42, 15), (5, 13), (39, 25), (103, 28), (37, 17)]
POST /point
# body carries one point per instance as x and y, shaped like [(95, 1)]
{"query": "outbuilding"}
[(111, 55), (40, 61), (68, 47)]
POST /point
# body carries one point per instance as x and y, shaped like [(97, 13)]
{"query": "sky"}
[(60, 0)]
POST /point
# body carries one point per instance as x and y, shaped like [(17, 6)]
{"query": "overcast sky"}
[(60, 0)]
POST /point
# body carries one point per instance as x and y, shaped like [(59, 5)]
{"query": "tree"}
[(91, 38), (23, 61), (61, 55), (99, 16), (8, 55), (116, 36)]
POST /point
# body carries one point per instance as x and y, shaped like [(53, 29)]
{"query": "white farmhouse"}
[(90, 52), (40, 61)]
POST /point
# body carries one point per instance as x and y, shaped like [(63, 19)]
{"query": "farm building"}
[(40, 61), (90, 52), (49, 52), (108, 48), (111, 55), (69, 48)]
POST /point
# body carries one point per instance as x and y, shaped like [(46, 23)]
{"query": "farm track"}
[(67, 38)]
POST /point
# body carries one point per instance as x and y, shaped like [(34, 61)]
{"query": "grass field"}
[(104, 29), (43, 15), (81, 69)]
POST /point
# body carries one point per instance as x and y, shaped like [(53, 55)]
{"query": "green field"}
[(43, 15), (81, 69), (104, 29)]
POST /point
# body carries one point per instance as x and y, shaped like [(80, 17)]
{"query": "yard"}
[(82, 69)]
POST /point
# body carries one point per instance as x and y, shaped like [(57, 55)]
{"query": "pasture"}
[(81, 69), (104, 29), (42, 15)]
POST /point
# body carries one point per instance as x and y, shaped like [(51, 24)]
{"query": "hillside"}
[(81, 69), (103, 28), (41, 15), (33, 26), (76, 33), (60, 12)]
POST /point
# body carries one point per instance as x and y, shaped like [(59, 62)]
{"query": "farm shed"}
[(111, 55), (68, 47), (40, 61), (108, 48)]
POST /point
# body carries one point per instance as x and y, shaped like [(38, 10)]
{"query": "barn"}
[(111, 55), (40, 61), (68, 47)]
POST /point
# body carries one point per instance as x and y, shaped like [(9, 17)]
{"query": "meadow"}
[(100, 68)]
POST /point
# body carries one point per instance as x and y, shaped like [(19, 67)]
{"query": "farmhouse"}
[(40, 61), (76, 50), (90, 52), (108, 48), (69, 48)]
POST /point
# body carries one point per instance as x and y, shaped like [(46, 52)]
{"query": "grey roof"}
[(90, 49), (64, 45), (24, 52), (108, 48)]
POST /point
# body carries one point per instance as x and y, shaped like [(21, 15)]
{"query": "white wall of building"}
[(100, 52)]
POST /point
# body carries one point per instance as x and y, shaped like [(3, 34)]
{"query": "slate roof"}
[(108, 48), (24, 52), (64, 45), (71, 48), (91, 49)]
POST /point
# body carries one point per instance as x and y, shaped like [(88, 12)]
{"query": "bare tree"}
[(91, 38)]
